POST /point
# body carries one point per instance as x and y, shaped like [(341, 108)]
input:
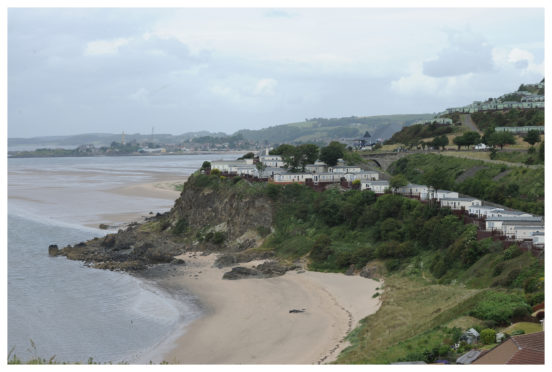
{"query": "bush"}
[(219, 237), (321, 248), (263, 231), (500, 307), (488, 336), (180, 227), (512, 252)]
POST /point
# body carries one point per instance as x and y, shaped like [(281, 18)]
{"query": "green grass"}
[(525, 326), (407, 320)]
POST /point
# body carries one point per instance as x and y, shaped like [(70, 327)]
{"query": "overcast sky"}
[(76, 71)]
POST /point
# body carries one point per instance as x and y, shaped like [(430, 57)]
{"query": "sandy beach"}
[(248, 321)]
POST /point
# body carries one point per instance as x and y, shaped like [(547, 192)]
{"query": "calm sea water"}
[(65, 308)]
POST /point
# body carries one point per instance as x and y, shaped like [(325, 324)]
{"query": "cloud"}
[(265, 87), (100, 47), (467, 53)]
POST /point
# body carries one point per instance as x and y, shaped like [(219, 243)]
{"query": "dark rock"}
[(350, 270), (370, 272), (53, 250), (109, 241), (241, 273), (103, 226), (178, 261), (270, 269)]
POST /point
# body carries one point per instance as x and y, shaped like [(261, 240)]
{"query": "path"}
[(467, 121)]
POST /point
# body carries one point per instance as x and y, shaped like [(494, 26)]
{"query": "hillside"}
[(515, 187), (320, 130), (436, 274)]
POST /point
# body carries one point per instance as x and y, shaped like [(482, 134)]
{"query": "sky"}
[(109, 70)]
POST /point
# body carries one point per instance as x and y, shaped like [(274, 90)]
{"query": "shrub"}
[(218, 237), (512, 251), (263, 231), (180, 227), (500, 307), (488, 336), (321, 248)]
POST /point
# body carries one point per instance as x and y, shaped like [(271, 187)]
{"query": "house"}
[(317, 167), (484, 211), (507, 224), (509, 213), (272, 160), (526, 232), (362, 176), (471, 336), (288, 177), (229, 166), (538, 238), (378, 187), (521, 349), (413, 190), (442, 194), (459, 203), (344, 169), (468, 357)]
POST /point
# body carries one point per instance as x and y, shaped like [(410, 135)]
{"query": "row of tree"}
[(297, 157)]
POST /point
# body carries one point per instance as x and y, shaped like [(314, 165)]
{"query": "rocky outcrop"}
[(222, 219), (267, 269)]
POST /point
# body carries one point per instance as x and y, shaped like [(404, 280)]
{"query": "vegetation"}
[(414, 133), (467, 139), (496, 183), (510, 118)]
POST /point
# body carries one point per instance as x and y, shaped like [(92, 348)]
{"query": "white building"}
[(507, 224), (484, 211), (344, 169), (317, 167), (288, 177), (445, 194), (459, 203), (526, 232), (480, 146), (538, 238), (379, 187), (227, 165), (413, 190), (272, 160)]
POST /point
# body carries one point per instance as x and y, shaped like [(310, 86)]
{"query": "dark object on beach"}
[(294, 311), (53, 250), (178, 261), (103, 226), (241, 273)]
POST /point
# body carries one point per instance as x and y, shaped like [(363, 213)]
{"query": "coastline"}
[(247, 321)]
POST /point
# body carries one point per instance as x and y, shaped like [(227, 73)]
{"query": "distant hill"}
[(101, 139), (316, 130), (320, 130)]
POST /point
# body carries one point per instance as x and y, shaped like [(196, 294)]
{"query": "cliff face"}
[(226, 210), (218, 216)]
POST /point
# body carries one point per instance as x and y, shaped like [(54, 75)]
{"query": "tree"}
[(471, 138), (532, 137), (306, 154), (488, 336), (459, 141), (261, 168), (397, 182), (440, 141), (206, 165), (249, 155), (501, 139), (331, 153)]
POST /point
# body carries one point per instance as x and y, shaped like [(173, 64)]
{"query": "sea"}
[(62, 309)]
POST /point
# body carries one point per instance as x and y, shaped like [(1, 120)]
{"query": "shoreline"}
[(248, 321), (238, 322)]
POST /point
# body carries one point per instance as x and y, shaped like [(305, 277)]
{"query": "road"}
[(467, 121)]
